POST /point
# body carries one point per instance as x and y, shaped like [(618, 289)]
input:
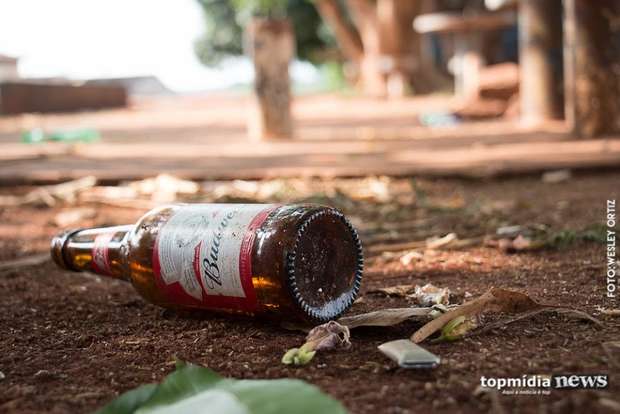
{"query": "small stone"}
[(43, 374)]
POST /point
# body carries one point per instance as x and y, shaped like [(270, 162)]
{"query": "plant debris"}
[(557, 176), (164, 188), (74, 215), (457, 328), (386, 317), (426, 296), (515, 239), (429, 295), (494, 300), (50, 195), (330, 335)]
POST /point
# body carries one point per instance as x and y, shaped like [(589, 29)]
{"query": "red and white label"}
[(101, 260), (203, 255)]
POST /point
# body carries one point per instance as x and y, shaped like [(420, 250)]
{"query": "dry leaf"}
[(429, 295), (330, 335), (518, 244), (495, 299), (71, 216), (398, 290), (50, 194), (558, 176), (610, 312), (164, 188), (385, 317), (441, 242), (457, 328), (407, 258)]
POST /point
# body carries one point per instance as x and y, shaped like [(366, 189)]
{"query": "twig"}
[(566, 311)]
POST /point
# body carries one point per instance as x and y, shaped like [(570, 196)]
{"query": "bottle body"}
[(293, 261)]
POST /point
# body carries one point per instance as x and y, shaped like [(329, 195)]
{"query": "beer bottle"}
[(299, 261)]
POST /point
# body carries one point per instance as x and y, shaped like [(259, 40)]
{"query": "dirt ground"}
[(71, 342)]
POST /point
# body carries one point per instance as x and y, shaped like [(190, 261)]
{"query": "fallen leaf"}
[(408, 258), (298, 356), (441, 242), (398, 290), (429, 295), (610, 312), (328, 336), (457, 328), (557, 176), (495, 299), (49, 195), (75, 215), (195, 389), (510, 231), (521, 243), (385, 317), (164, 188)]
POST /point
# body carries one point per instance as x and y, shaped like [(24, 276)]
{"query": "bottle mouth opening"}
[(325, 265), (57, 248)]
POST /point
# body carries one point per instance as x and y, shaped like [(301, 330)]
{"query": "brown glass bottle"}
[(291, 261)]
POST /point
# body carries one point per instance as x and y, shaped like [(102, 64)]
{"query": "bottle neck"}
[(98, 250)]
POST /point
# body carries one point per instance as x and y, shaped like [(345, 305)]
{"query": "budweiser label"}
[(203, 254), (101, 260)]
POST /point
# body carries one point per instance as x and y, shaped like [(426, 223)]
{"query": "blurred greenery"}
[(194, 389), (225, 20)]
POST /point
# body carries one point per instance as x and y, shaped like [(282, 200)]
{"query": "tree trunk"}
[(540, 33), (372, 67), (592, 60), (347, 37), (400, 45), (383, 44), (272, 46)]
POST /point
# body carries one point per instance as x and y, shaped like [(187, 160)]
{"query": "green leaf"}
[(456, 328), (129, 402), (193, 389), (289, 356)]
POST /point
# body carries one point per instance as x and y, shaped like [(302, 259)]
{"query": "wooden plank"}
[(465, 161), (25, 97)]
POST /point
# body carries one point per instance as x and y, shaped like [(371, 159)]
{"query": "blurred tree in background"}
[(374, 37), (225, 21)]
